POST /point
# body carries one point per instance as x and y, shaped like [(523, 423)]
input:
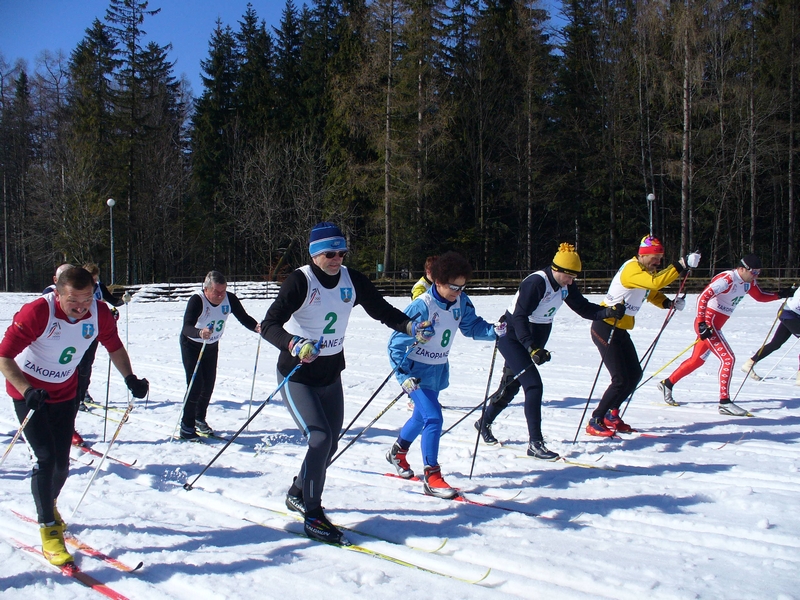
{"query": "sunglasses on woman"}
[(456, 288), (340, 254)]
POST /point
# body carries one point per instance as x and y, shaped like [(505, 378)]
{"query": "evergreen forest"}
[(417, 126)]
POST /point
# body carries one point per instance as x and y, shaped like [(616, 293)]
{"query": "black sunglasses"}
[(340, 254), (456, 288)]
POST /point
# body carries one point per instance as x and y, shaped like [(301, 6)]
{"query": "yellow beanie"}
[(567, 260)]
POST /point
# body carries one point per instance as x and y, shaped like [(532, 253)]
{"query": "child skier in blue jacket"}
[(425, 371)]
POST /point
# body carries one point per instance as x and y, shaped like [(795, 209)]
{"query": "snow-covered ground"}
[(705, 506)]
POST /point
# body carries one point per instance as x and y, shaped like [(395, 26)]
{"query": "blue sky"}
[(28, 27)]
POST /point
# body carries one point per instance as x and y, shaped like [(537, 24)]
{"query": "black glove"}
[(705, 330), (539, 356), (786, 292), (615, 312), (35, 398), (114, 313), (138, 387)]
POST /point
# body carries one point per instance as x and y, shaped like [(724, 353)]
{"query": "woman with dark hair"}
[(425, 371)]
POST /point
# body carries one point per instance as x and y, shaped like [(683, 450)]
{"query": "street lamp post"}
[(111, 202), (651, 198)]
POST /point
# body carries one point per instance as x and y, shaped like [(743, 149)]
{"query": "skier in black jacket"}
[(530, 320), (313, 304)]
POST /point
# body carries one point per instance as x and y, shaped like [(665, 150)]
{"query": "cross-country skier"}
[(77, 440), (48, 337), (636, 281), (204, 320), (530, 321), (715, 305), (426, 371), (313, 304), (789, 326)]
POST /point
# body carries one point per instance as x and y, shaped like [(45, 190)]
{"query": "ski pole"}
[(597, 375), (16, 435), (681, 353), (108, 385), (188, 486), (375, 393), (477, 406), (796, 339), (651, 350), (483, 407), (760, 350), (255, 370), (105, 454), (189, 388), (363, 431)]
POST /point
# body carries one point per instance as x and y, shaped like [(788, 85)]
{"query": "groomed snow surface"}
[(703, 506)]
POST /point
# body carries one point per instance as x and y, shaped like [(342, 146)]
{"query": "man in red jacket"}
[(714, 307), (39, 357)]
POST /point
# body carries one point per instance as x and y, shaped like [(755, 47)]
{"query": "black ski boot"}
[(539, 450), (486, 432), (318, 527)]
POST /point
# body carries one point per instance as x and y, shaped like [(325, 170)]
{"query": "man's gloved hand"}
[(692, 260), (786, 292), (539, 355), (114, 312), (35, 398), (678, 304), (410, 385), (126, 297), (704, 330), (304, 349), (138, 387), (500, 329), (421, 331), (615, 312)]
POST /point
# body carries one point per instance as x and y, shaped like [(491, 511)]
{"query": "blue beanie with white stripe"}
[(326, 237)]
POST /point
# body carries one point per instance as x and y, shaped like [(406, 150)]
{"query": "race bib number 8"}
[(446, 338)]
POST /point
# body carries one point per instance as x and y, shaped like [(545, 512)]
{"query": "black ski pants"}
[(786, 329), (518, 360), (49, 434), (620, 358), (200, 395), (318, 412)]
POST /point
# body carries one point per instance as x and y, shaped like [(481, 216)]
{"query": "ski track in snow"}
[(700, 505)]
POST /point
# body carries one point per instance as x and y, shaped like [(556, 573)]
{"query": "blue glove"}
[(421, 331), (304, 349)]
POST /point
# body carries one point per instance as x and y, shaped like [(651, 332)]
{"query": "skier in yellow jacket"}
[(636, 281)]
